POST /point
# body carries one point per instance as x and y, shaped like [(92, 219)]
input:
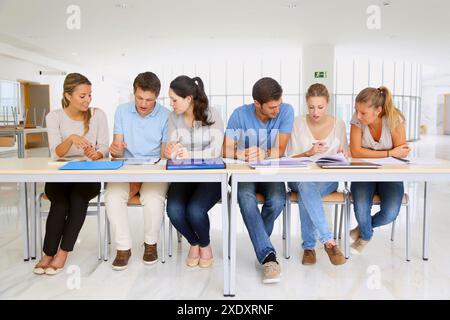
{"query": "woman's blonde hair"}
[(317, 90), (72, 81), (382, 97)]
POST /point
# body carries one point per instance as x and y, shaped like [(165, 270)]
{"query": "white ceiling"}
[(113, 38)]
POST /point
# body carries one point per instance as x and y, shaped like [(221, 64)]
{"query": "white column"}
[(319, 58)]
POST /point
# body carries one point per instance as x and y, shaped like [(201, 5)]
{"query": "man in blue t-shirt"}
[(258, 131)]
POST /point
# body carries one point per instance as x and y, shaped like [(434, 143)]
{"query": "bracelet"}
[(387, 153)]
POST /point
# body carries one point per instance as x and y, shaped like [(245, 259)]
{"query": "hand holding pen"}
[(317, 147), (173, 149)]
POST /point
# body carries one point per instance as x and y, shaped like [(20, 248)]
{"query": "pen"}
[(401, 159)]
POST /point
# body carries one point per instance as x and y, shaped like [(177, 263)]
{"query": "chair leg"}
[(38, 222), (99, 230), (335, 221), (347, 229), (284, 231), (288, 230), (393, 229), (107, 238), (408, 232), (163, 239), (170, 239), (340, 221)]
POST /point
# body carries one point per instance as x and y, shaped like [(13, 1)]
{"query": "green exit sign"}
[(320, 74)]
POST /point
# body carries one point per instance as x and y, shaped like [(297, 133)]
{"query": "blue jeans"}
[(391, 194), (187, 207), (312, 216), (260, 225)]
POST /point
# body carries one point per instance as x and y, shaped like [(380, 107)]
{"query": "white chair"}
[(93, 210), (405, 203), (336, 198)]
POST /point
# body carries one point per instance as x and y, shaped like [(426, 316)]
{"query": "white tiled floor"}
[(381, 272)]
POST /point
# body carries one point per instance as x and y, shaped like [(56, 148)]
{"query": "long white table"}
[(33, 170), (416, 173)]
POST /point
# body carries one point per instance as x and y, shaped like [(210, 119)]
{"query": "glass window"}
[(361, 74), (376, 73), (290, 76), (388, 74), (407, 80), (398, 84), (218, 76), (252, 73), (235, 78), (344, 78)]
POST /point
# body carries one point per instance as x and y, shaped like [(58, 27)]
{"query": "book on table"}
[(195, 164), (299, 162)]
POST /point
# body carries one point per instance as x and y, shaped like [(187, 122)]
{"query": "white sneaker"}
[(358, 246), (271, 272), (355, 233)]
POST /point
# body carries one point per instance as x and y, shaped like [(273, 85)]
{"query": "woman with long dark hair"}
[(195, 132)]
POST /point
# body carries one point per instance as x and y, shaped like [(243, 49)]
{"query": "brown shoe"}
[(121, 260), (150, 254), (309, 257), (335, 255)]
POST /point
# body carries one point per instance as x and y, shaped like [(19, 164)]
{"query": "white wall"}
[(106, 94)]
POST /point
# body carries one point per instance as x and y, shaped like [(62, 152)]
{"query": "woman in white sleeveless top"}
[(377, 131), (316, 133)]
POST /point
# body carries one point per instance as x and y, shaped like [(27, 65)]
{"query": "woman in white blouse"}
[(316, 133), (377, 131), (74, 130)]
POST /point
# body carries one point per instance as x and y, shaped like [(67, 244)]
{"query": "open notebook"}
[(288, 162)]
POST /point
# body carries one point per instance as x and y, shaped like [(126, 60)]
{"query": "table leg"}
[(233, 214), (32, 218), (426, 213), (225, 236), (23, 213)]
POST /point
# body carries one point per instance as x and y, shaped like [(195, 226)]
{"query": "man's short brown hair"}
[(147, 81), (266, 89)]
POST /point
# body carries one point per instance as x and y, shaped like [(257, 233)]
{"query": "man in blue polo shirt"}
[(258, 131), (140, 130)]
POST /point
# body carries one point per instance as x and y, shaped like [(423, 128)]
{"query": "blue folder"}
[(92, 165), (194, 164)]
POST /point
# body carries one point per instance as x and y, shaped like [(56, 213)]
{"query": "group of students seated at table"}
[(261, 130)]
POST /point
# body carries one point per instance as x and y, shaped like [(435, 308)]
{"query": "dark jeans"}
[(187, 207), (69, 203)]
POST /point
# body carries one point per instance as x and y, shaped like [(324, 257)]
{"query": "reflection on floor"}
[(381, 272)]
